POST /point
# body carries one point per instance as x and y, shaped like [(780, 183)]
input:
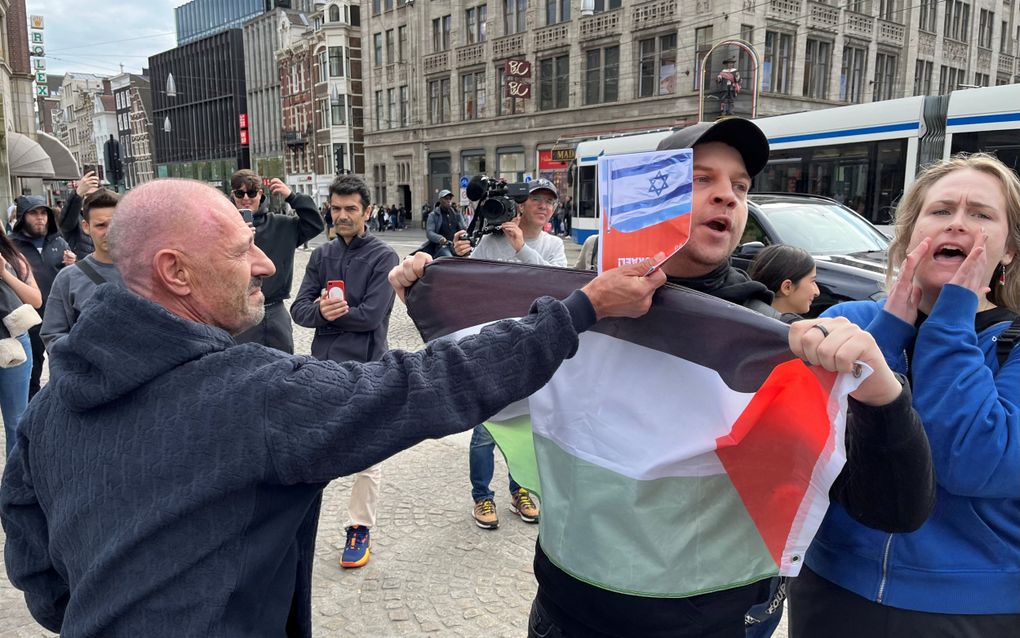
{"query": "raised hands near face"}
[(973, 272), (837, 345), (905, 294)]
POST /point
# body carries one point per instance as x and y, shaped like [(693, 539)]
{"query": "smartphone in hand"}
[(335, 289), (246, 215)]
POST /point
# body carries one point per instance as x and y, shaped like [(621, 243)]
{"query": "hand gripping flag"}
[(680, 453)]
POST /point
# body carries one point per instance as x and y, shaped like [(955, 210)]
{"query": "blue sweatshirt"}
[(168, 482), (966, 558)]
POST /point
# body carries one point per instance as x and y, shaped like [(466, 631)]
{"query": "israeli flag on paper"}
[(641, 190)]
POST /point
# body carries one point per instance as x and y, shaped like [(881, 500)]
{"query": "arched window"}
[(334, 13)]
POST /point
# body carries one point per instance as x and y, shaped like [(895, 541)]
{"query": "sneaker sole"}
[(357, 563), (486, 525), (526, 519)]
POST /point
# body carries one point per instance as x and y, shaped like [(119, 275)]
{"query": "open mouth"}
[(949, 253), (719, 224)]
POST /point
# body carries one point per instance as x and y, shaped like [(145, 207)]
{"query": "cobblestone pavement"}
[(432, 572)]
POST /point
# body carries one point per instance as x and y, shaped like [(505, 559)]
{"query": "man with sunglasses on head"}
[(278, 236)]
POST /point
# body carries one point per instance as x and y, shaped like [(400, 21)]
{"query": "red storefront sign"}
[(547, 163)]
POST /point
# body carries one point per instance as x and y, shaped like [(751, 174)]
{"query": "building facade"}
[(442, 106), (320, 79), (125, 87), (199, 109), (202, 18), (47, 106), (75, 122), (139, 166), (262, 39), (105, 128)]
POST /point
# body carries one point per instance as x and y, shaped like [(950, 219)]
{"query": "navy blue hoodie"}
[(167, 483)]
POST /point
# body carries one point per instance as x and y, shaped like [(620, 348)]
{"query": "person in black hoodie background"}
[(36, 236), (278, 236)]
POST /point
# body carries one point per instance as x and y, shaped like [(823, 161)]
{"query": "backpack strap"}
[(1005, 341), (90, 272)]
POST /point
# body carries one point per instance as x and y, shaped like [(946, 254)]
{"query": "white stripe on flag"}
[(668, 426)]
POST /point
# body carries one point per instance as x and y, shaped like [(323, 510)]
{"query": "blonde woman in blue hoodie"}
[(958, 290)]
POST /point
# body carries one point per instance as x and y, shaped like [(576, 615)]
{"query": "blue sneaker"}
[(357, 548)]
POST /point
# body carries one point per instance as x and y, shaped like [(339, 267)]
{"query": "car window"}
[(753, 231), (823, 229)]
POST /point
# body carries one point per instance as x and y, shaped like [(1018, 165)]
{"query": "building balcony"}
[(470, 54), (653, 14), (553, 36), (1006, 63), (293, 137), (508, 46), (436, 62), (601, 25), (823, 17), (891, 33), (785, 10), (860, 25)]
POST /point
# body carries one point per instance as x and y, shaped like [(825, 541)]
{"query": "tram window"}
[(890, 169), (586, 205), (1003, 144)]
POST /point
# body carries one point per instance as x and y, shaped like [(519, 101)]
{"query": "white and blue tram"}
[(863, 155)]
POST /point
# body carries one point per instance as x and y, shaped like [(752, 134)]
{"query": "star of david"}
[(658, 184)]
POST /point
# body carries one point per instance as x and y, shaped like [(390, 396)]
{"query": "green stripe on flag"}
[(676, 537), (514, 439)]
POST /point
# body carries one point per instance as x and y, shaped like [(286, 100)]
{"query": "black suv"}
[(849, 252)]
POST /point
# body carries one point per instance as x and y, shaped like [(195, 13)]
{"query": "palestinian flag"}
[(680, 453)]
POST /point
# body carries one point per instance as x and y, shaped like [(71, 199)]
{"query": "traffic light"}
[(111, 153)]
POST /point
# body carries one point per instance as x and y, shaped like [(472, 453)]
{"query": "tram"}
[(863, 155)]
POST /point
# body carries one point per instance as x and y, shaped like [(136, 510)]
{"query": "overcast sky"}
[(97, 37)]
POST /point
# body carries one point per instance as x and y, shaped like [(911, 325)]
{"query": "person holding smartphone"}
[(278, 236), (346, 298)]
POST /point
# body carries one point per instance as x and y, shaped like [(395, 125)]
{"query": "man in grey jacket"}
[(74, 286), (350, 325)]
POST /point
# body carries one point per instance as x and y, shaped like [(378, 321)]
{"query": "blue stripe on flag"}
[(683, 190), (641, 169), (638, 222)]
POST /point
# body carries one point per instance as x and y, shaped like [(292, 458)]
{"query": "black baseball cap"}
[(542, 184), (743, 135)]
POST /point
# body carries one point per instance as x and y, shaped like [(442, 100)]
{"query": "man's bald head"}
[(181, 244), (166, 213)]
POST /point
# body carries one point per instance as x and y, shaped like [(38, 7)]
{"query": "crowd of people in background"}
[(211, 504)]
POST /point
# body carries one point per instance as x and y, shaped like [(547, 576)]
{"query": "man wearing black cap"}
[(524, 239), (36, 236), (727, 155), (444, 223)]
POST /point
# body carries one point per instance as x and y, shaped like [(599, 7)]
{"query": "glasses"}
[(538, 199), (240, 193)]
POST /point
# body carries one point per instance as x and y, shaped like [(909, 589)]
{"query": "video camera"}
[(497, 203)]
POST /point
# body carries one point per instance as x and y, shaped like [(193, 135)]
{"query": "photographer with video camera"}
[(509, 234), (511, 230)]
